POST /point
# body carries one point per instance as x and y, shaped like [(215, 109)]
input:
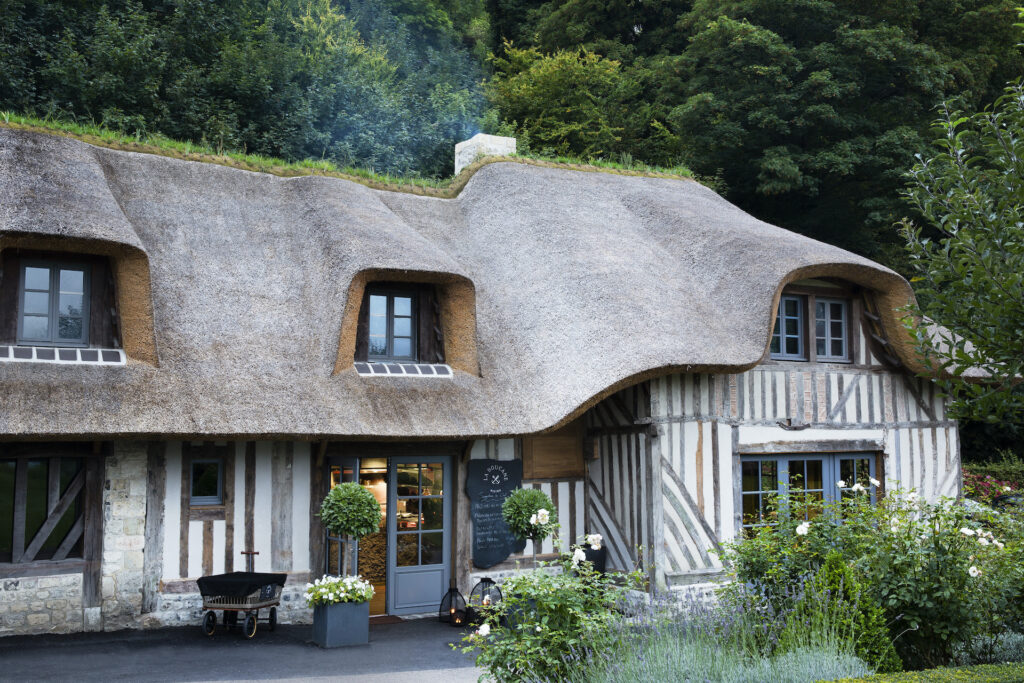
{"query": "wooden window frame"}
[(809, 296), (88, 527), (827, 357), (206, 501), (830, 473), (55, 266), (390, 293)]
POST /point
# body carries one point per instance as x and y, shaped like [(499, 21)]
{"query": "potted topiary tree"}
[(341, 605), (530, 514)]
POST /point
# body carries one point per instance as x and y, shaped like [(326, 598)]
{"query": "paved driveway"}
[(417, 651)]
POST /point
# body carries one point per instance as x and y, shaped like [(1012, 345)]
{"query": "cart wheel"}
[(210, 622), (250, 626), (230, 618), (273, 618)]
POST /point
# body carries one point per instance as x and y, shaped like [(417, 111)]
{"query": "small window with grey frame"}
[(392, 325), (206, 482), (53, 298), (827, 341)]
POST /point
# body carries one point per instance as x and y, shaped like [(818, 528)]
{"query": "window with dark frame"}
[(207, 482), (41, 508), (53, 303), (827, 341), (766, 481), (392, 325)]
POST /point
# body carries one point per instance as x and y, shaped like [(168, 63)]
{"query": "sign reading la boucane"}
[(488, 484)]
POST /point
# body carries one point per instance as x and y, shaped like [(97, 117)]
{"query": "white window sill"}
[(421, 370), (61, 355)]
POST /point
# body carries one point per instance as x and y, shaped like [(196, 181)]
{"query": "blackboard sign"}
[(488, 484)]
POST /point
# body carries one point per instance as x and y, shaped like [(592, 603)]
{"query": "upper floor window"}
[(54, 303), (392, 325), (59, 300), (400, 323), (829, 338)]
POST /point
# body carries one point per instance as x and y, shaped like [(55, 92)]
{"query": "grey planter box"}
[(347, 623)]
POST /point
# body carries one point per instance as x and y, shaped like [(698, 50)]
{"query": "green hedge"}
[(986, 673)]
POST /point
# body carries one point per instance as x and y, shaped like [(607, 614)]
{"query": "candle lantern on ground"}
[(484, 595), (453, 608)]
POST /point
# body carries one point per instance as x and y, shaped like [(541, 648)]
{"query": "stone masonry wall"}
[(186, 609), (124, 528), (41, 604)]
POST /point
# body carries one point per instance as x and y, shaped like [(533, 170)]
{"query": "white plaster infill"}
[(482, 145)]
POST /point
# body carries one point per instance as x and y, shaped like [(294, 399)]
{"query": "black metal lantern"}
[(453, 608), (484, 594)]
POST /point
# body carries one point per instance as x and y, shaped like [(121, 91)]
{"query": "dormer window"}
[(827, 340), (54, 303), (58, 307), (392, 329)]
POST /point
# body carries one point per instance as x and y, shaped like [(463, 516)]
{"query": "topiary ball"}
[(350, 510)]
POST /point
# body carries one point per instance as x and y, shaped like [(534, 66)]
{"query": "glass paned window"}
[(830, 326), (207, 482), (420, 511), (45, 482), (788, 335), (392, 326), (54, 304), (815, 476)]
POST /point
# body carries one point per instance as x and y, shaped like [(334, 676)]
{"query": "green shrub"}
[(529, 513), (835, 596), (548, 617), (351, 512), (938, 585)]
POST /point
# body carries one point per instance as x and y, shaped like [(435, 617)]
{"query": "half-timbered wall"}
[(567, 494), (621, 479), (666, 468)]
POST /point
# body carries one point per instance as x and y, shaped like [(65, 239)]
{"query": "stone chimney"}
[(480, 145)]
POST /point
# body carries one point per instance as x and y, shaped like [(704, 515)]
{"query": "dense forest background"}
[(806, 113)]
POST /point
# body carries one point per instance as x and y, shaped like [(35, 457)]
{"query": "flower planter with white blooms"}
[(341, 610)]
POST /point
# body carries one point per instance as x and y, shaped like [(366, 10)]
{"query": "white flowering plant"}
[(530, 513), (546, 617), (331, 590)]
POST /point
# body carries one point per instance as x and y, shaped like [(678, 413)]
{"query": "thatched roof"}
[(584, 282)]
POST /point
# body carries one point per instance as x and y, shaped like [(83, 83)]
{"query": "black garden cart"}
[(241, 592)]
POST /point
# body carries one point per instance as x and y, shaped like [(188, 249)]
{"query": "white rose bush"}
[(942, 576)]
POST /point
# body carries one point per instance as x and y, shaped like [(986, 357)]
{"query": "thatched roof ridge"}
[(584, 282)]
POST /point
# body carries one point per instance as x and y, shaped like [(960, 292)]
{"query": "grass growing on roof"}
[(183, 149)]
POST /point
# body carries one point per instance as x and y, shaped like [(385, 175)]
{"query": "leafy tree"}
[(970, 264), (289, 78)]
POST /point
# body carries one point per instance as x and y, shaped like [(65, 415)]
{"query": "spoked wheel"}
[(250, 625), (272, 621), (210, 622)]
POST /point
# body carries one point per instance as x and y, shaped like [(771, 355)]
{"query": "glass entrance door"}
[(419, 494), (407, 560)]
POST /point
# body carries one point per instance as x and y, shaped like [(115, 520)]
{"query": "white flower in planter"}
[(594, 541), (974, 571), (841, 483), (874, 482), (543, 516), (484, 630), (533, 519), (578, 556), (858, 488), (803, 528)]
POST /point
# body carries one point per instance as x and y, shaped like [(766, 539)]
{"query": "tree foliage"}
[(808, 110), (970, 263), (385, 84)]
